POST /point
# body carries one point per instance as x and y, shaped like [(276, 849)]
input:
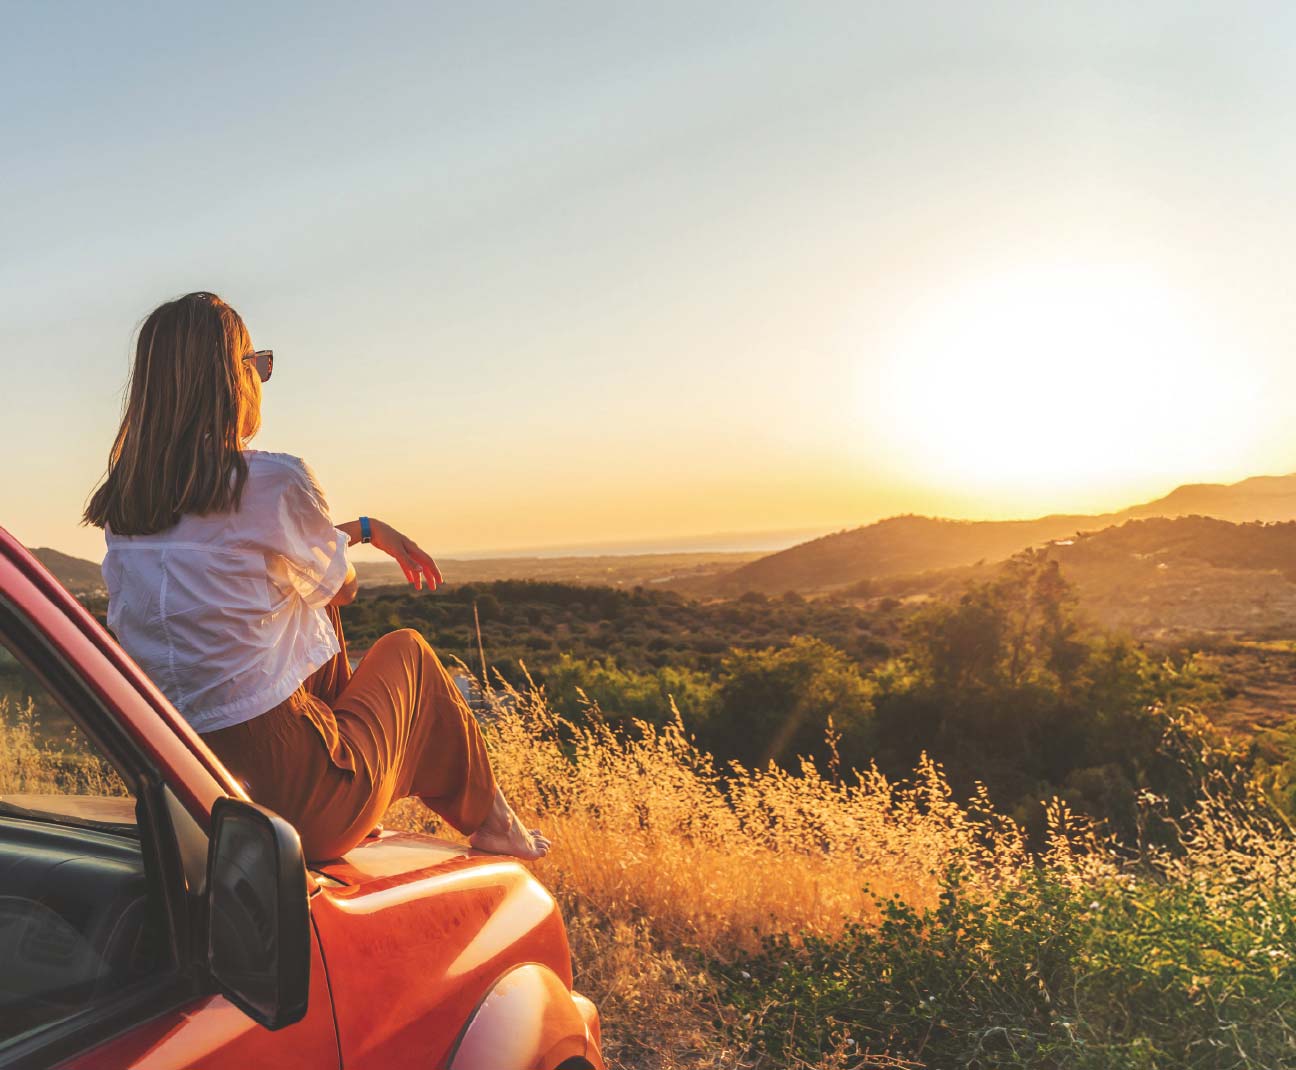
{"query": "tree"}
[(1010, 687), (1019, 627)]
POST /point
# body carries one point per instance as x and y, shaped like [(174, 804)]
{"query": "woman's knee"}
[(405, 640), (324, 840), (417, 660)]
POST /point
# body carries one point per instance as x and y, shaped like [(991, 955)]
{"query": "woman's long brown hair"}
[(178, 449)]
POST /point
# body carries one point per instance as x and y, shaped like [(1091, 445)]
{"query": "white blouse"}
[(226, 612)]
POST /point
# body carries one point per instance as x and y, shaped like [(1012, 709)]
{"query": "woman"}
[(224, 577)]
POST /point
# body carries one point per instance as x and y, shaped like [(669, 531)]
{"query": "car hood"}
[(415, 932), (402, 855)]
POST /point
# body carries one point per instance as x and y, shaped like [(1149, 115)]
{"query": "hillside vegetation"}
[(1007, 682), (640, 629)]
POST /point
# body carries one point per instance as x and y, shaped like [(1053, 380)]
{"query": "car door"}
[(105, 807)]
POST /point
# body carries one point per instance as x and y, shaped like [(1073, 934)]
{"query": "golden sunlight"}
[(1068, 378)]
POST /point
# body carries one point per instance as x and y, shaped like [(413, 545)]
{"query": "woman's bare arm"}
[(419, 568)]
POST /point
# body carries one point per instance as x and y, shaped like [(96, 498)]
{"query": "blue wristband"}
[(365, 534)]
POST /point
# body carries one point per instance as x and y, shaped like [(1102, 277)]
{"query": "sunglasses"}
[(264, 359)]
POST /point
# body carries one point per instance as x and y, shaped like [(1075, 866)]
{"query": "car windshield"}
[(105, 813), (49, 770)]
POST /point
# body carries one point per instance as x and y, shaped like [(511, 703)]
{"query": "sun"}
[(1070, 379)]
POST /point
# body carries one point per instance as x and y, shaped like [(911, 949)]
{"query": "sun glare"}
[(1073, 379)]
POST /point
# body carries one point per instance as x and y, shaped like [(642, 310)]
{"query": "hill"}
[(911, 543), (895, 546), (76, 574), (1257, 498), (1159, 578)]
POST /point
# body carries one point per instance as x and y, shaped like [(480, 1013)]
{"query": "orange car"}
[(159, 919)]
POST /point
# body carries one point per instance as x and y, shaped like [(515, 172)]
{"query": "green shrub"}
[(775, 704), (1121, 973), (625, 695)]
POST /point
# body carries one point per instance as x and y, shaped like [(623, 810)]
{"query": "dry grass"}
[(667, 871), (645, 828), (33, 764), (662, 866)]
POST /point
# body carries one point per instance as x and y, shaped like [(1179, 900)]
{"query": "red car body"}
[(422, 953)]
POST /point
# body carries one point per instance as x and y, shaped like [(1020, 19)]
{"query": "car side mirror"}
[(258, 914)]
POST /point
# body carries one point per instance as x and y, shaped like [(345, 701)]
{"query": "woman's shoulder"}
[(270, 461), (280, 470), (280, 466)]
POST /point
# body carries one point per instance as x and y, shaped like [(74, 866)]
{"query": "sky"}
[(579, 275)]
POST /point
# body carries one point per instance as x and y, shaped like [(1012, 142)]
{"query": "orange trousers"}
[(338, 751)]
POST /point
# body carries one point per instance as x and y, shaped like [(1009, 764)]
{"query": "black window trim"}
[(186, 981)]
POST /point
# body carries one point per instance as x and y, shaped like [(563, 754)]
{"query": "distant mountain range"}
[(1258, 498), (897, 547), (904, 545)]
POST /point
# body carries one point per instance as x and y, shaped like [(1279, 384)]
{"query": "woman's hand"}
[(418, 567)]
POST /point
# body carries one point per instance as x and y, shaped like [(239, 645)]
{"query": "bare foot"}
[(503, 834), (374, 832)]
